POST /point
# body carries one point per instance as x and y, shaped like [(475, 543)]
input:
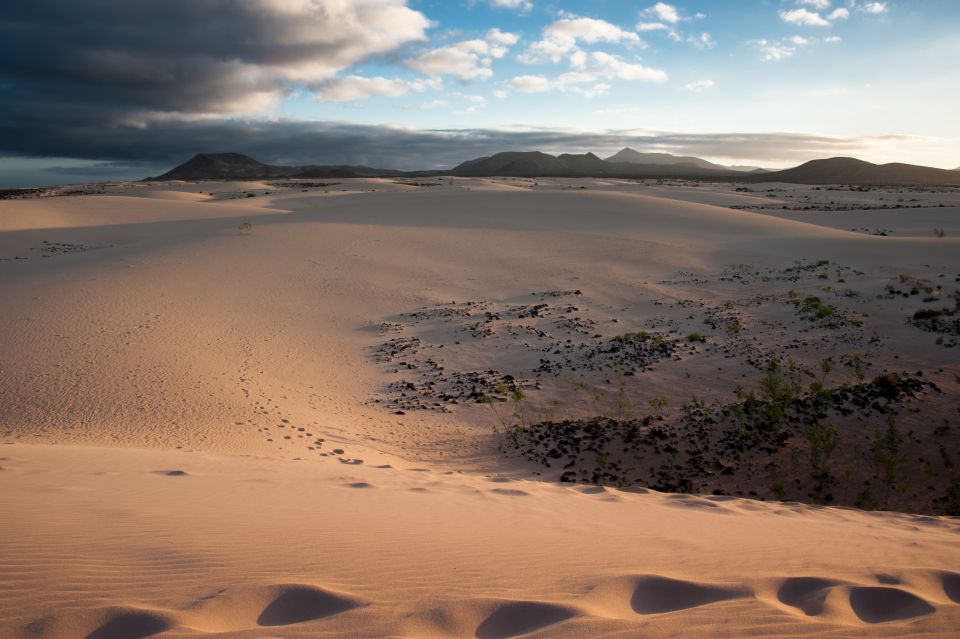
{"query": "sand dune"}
[(245, 545), (272, 434)]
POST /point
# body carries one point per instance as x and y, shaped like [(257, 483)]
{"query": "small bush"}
[(889, 385), (927, 313), (813, 308)]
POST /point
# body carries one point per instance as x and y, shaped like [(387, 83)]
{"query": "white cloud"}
[(502, 38), (664, 12), (803, 17), (460, 61), (773, 51), (816, 4), (570, 82), (839, 14), (530, 83), (589, 30), (589, 68), (590, 92), (613, 66), (561, 37), (800, 41), (355, 87), (702, 41), (874, 7), (607, 65), (832, 39), (699, 85), (667, 18), (500, 94), (466, 60), (522, 5)]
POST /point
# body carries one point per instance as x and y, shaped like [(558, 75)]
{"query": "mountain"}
[(587, 163), (539, 164), (516, 163), (236, 166), (854, 171), (225, 166), (625, 164), (635, 157)]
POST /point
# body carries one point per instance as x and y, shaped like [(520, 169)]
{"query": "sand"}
[(199, 434)]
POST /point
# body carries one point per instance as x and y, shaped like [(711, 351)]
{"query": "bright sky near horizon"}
[(105, 86)]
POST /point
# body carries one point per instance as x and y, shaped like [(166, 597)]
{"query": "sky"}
[(110, 89)]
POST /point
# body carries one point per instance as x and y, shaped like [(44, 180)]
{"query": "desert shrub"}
[(887, 455), (888, 384), (927, 314), (814, 308), (822, 440)]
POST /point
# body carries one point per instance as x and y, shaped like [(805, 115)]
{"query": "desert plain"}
[(479, 407)]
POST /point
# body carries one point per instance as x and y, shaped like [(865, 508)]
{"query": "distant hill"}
[(854, 171), (636, 157), (236, 166), (539, 164), (225, 166), (534, 164)]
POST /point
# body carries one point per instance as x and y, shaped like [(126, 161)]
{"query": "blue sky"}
[(95, 89), (875, 69)]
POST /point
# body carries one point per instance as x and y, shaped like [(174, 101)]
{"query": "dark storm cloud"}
[(122, 62)]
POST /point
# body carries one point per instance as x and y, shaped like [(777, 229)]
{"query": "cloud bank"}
[(128, 63), (299, 142)]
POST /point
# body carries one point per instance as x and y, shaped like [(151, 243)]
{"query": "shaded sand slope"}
[(128, 543)]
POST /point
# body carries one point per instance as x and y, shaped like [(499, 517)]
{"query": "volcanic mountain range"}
[(627, 163)]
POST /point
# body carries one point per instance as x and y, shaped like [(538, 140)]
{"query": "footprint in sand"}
[(247, 607), (874, 604), (114, 622), (951, 586), (131, 625), (510, 492), (654, 594), (806, 593), (296, 604), (171, 473), (522, 617)]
